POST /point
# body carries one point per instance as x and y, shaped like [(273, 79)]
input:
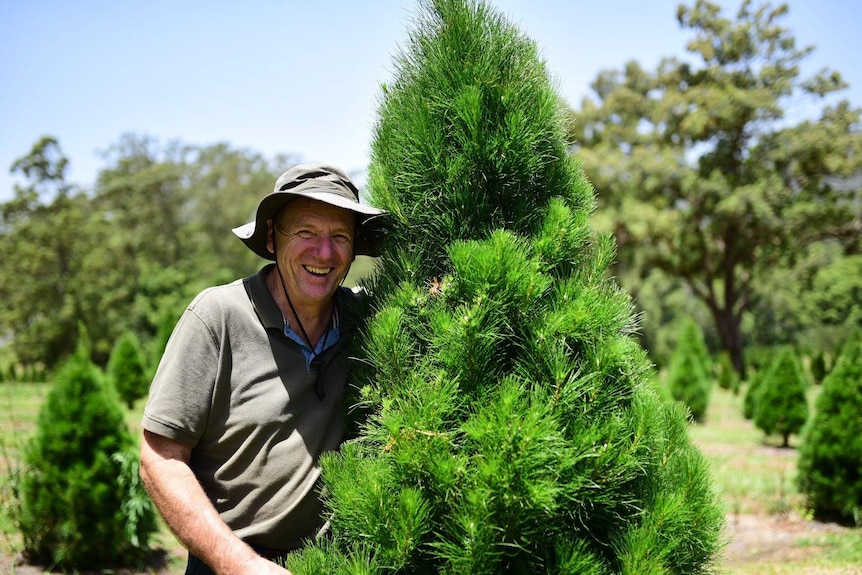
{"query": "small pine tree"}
[(727, 376), (687, 380), (752, 392), (692, 333), (513, 427), (73, 491), (127, 369), (781, 405), (818, 367), (831, 450)]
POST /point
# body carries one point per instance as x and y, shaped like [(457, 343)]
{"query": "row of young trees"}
[(776, 400)]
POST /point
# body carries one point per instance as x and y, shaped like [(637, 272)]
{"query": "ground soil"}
[(775, 539)]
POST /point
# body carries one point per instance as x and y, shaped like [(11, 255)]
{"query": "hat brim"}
[(368, 221)]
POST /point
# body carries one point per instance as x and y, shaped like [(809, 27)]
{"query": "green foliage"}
[(832, 443), (76, 507), (127, 369), (666, 306), (818, 367), (781, 406), (693, 335), (752, 393), (809, 299), (513, 427), (727, 376), (836, 294), (688, 378), (41, 244), (152, 232), (702, 176)]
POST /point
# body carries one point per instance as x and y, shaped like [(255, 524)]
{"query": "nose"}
[(325, 246)]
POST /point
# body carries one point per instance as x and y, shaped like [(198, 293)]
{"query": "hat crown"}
[(326, 178)]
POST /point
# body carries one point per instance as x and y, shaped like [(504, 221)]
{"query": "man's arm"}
[(186, 509)]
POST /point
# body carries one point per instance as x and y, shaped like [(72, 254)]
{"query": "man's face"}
[(314, 242)]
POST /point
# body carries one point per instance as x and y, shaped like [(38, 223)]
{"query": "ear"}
[(270, 238)]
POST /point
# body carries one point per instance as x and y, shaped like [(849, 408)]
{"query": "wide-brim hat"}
[(317, 182)]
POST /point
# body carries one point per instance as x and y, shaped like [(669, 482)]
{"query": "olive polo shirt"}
[(233, 387)]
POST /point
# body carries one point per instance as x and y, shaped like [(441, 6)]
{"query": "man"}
[(249, 391)]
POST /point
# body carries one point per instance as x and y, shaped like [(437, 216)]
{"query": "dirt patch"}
[(162, 562), (755, 539)]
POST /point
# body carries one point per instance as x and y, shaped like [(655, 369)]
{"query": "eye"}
[(305, 234), (341, 238)]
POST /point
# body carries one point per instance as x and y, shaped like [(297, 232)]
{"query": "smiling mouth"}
[(317, 271)]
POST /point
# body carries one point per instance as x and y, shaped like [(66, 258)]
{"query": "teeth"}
[(319, 271)]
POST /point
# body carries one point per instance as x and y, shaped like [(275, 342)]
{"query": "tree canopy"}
[(702, 174), (153, 231)]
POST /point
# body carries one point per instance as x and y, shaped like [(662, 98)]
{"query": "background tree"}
[(727, 376), (128, 370), (73, 492), (831, 448), (687, 379), (701, 173), (513, 427), (818, 367), (154, 230), (780, 405), (752, 392), (43, 234), (812, 302)]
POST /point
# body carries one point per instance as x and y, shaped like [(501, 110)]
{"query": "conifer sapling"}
[(510, 427)]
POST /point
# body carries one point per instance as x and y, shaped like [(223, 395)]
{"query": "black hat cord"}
[(314, 356)]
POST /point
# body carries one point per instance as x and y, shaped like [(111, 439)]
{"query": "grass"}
[(755, 477)]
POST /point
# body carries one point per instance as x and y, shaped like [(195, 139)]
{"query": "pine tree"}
[(752, 393), (781, 406), (512, 427), (693, 333), (688, 381), (818, 367), (127, 369), (831, 450), (727, 376), (74, 490)]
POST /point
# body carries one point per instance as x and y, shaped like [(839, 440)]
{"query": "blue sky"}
[(300, 78)]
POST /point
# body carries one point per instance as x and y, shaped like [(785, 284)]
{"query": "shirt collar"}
[(262, 301)]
